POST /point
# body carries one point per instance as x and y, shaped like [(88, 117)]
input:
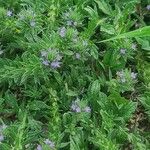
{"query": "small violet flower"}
[(85, 43), (148, 7), (62, 32), (9, 13), (50, 143), (122, 51), (3, 127), (87, 109), (133, 75), (32, 23), (44, 53), (123, 80), (1, 52), (45, 62), (134, 46), (75, 23), (78, 56), (1, 138), (39, 147), (75, 107), (69, 23), (55, 64), (120, 74)]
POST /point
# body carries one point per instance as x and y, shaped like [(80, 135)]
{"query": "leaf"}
[(105, 7), (72, 93), (142, 32), (37, 105), (95, 87)]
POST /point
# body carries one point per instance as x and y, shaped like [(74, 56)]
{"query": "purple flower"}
[(39, 147), (1, 138), (75, 107), (3, 127), (1, 52), (78, 56), (133, 75), (87, 109), (134, 46), (78, 109), (75, 23), (45, 62), (43, 53), (69, 22), (120, 74), (50, 143), (123, 80), (66, 14), (32, 23), (9, 13), (55, 64), (62, 32), (148, 7), (85, 43), (122, 51)]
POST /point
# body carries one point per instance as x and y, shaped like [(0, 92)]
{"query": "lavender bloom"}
[(45, 62), (9, 13), (78, 109), (3, 127), (87, 109), (69, 23), (148, 7), (134, 46), (27, 145), (39, 147), (122, 51), (75, 23), (1, 137), (77, 56), (49, 49), (123, 80), (62, 32), (66, 14), (133, 75), (55, 64), (1, 52), (75, 107), (43, 53), (32, 23), (120, 74), (50, 143), (85, 43)]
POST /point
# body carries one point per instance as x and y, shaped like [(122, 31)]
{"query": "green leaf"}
[(104, 6), (142, 32), (72, 93)]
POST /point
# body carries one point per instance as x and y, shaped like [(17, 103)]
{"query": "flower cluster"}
[(53, 64), (148, 7), (62, 32), (51, 144), (76, 108), (122, 76), (122, 51), (9, 13), (2, 127)]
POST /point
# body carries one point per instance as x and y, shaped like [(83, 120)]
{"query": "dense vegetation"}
[(74, 74)]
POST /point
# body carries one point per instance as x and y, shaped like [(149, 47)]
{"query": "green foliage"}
[(74, 75)]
